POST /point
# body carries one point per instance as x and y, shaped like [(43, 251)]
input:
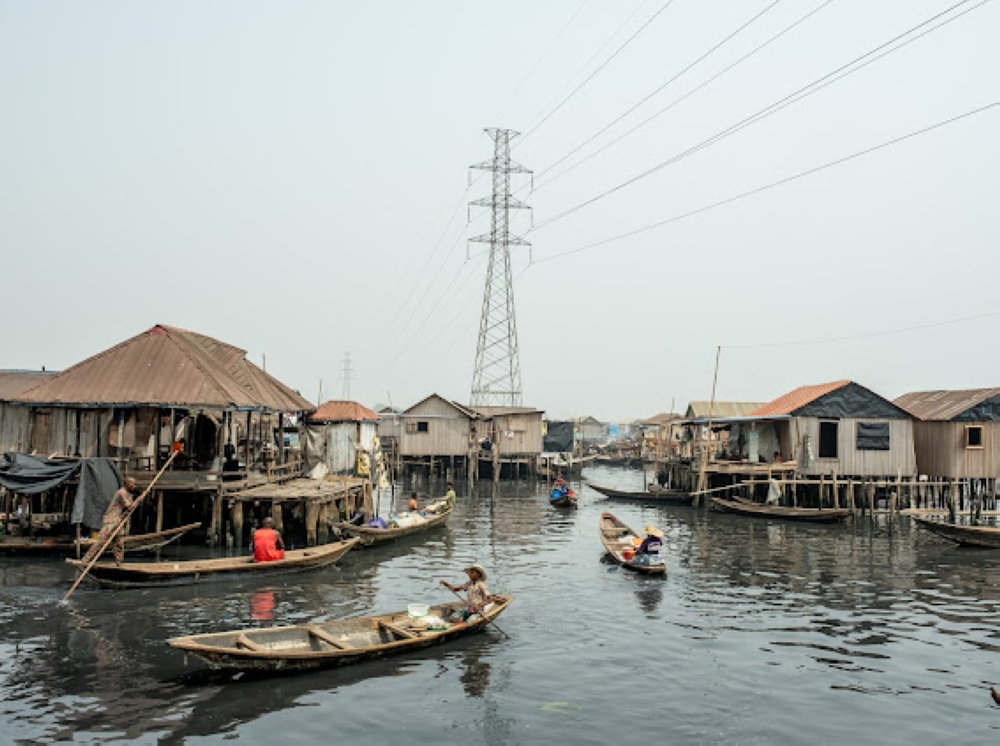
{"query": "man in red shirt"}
[(267, 543)]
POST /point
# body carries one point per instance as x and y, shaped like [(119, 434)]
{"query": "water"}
[(761, 633)]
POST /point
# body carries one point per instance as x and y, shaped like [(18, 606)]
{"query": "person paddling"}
[(267, 544), (117, 510), (478, 597), (648, 552)]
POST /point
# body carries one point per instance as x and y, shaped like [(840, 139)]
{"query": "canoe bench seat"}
[(242, 641), (397, 631), (322, 634)]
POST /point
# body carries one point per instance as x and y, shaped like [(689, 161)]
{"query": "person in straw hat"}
[(648, 552), (478, 594)]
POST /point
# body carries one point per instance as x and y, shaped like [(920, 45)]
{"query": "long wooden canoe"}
[(65, 545), (745, 507), (972, 536), (617, 537), (335, 643), (186, 572), (370, 536), (652, 495)]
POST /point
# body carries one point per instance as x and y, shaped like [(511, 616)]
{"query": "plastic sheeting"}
[(99, 480), (559, 438), (852, 401)]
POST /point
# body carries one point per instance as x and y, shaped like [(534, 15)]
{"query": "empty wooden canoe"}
[(186, 572), (370, 536), (617, 537), (653, 495), (65, 545), (972, 536), (757, 510), (336, 643)]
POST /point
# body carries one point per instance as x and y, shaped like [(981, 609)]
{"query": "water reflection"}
[(765, 619)]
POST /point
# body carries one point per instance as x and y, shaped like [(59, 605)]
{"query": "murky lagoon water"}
[(762, 632)]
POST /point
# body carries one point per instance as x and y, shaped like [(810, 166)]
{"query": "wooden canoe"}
[(335, 643), (757, 510), (186, 572), (652, 495), (972, 536), (616, 537), (371, 536), (566, 501), (65, 545)]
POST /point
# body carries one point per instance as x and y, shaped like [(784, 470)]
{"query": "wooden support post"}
[(836, 492), (215, 527), (159, 510), (822, 489), (323, 524), (236, 518), (276, 515), (850, 497), (312, 521)]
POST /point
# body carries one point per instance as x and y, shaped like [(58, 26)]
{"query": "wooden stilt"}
[(276, 515)]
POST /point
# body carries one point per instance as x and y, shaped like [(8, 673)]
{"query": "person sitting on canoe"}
[(648, 553), (267, 544), (479, 596), (449, 496), (414, 505)]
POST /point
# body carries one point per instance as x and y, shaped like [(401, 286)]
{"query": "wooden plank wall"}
[(941, 450), (900, 458)]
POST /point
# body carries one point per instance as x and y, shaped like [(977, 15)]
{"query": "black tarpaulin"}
[(559, 438), (31, 475), (854, 401)]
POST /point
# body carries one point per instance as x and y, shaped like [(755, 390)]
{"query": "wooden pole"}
[(702, 475), (118, 528)]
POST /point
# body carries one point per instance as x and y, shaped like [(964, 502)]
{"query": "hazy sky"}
[(283, 176)]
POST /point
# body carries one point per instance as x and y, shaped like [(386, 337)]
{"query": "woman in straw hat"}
[(648, 552), (478, 594)]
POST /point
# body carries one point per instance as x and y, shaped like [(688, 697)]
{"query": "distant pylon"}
[(347, 375), (496, 380)]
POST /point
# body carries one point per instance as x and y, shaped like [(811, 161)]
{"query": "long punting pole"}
[(119, 527)]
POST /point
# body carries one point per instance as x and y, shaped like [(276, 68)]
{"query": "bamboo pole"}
[(711, 410), (121, 524)]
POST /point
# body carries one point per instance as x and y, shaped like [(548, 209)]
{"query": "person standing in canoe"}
[(267, 544), (648, 552), (117, 511), (478, 596)]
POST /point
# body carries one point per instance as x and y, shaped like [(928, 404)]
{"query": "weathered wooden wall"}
[(941, 450), (900, 458), (447, 430)]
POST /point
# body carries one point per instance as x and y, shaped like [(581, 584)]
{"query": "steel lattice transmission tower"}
[(496, 380)]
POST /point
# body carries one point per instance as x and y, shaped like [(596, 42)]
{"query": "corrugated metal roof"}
[(499, 411), (168, 366), (943, 405), (13, 383), (797, 399), (721, 408), (343, 411), (661, 419)]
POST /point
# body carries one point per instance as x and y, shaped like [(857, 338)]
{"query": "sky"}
[(293, 178)]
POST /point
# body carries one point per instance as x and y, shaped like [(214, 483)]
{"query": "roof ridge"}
[(187, 352)]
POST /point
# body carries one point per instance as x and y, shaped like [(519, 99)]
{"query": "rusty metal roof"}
[(661, 419), (13, 383), (167, 366), (697, 409), (797, 399), (500, 411), (343, 411), (943, 405)]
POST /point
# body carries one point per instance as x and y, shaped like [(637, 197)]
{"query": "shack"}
[(957, 438), (342, 436), (162, 391), (515, 435)]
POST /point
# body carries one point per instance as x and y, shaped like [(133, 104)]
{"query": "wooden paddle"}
[(489, 621), (124, 520)]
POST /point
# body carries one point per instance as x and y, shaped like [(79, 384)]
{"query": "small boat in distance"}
[(757, 510), (370, 536), (617, 540), (970, 536), (653, 494), (336, 643), (65, 545), (151, 574)]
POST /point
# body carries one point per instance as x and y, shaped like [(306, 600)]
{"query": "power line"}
[(660, 88), (548, 50), (676, 101), (600, 67), (772, 185), (866, 335), (777, 106)]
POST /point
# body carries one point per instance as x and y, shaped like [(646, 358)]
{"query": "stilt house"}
[(335, 435), (956, 433)]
